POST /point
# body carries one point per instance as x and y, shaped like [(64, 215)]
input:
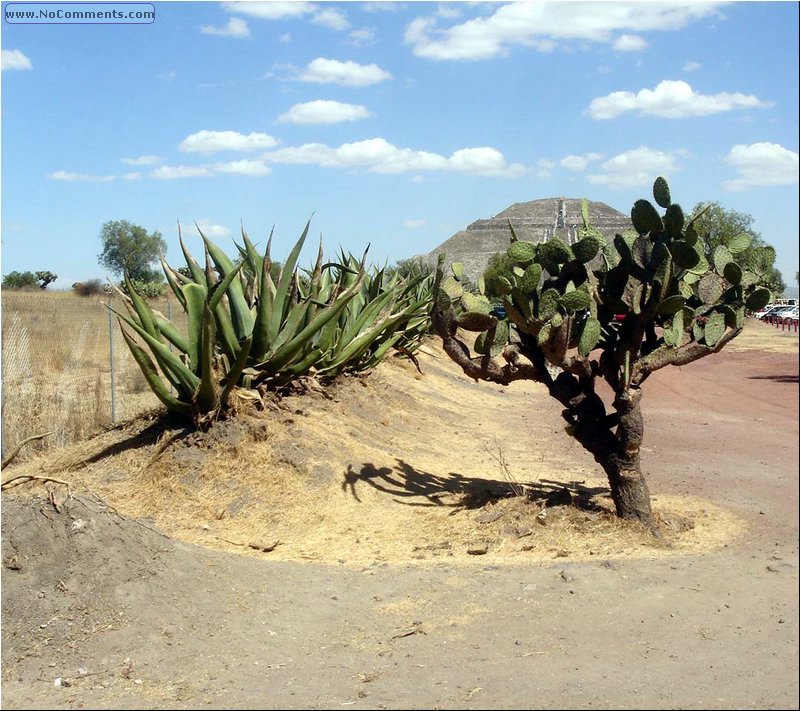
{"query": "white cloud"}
[(132, 176), (691, 66), (209, 229), (637, 167), (362, 37), (212, 141), (323, 112), (236, 27), (381, 6), (285, 38), (332, 71), (242, 167), (270, 10), (172, 172), (377, 155), (142, 160), (330, 18), (542, 24), (14, 59), (448, 11), (579, 163), (671, 99), (630, 43), (762, 164), (80, 177), (413, 224)]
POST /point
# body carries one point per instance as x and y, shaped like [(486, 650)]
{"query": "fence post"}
[(111, 360)]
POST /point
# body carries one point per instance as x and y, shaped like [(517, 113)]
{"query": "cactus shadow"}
[(791, 378), (408, 484)]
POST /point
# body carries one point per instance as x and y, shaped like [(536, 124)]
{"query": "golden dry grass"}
[(400, 467), (57, 372), (758, 336)]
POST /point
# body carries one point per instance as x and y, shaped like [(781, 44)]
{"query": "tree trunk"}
[(622, 465)]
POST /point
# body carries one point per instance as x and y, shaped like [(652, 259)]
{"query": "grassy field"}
[(57, 357)]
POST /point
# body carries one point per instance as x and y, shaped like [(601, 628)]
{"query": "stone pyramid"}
[(535, 221)]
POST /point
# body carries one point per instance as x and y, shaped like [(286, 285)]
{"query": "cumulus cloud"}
[(636, 167), (80, 177), (209, 229), (761, 164), (630, 43), (212, 141), (332, 71), (330, 18), (173, 172), (691, 66), (362, 37), (578, 164), (142, 160), (323, 112), (242, 167), (671, 99), (270, 10), (236, 27), (377, 155), (14, 59), (542, 24)]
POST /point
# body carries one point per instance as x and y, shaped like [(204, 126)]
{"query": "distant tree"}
[(411, 267), (721, 225), (129, 247), (44, 278), (29, 280), (20, 280)]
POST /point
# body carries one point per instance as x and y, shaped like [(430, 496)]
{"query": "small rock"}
[(78, 525), (478, 549), (565, 576), (527, 547), (488, 516)]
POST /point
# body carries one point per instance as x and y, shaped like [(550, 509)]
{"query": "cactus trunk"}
[(622, 465)]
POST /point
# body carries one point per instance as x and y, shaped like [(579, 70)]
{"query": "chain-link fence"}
[(66, 368)]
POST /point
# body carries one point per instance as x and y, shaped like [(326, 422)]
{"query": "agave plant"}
[(242, 330), (255, 327)]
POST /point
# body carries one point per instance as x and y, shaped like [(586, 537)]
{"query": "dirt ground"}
[(417, 541)]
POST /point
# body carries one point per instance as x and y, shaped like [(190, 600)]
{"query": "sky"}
[(394, 123)]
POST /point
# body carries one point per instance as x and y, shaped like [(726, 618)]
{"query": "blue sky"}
[(396, 124)]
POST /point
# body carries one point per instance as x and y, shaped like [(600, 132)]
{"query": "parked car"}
[(788, 313), (771, 311), (763, 312)]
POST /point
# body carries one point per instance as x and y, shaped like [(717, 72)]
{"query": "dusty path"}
[(202, 629)]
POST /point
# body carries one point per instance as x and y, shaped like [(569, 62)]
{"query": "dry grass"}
[(57, 372), (758, 336), (397, 468)]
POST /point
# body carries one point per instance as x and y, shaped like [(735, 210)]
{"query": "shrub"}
[(92, 287)]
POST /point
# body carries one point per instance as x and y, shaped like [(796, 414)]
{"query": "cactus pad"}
[(661, 192), (522, 252)]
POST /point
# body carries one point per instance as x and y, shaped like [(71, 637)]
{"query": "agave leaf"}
[(153, 378), (240, 312)]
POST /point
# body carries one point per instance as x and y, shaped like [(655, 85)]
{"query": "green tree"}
[(29, 280), (129, 247), (20, 280), (721, 225), (562, 328), (44, 278)]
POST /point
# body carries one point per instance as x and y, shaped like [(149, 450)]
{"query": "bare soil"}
[(416, 541)]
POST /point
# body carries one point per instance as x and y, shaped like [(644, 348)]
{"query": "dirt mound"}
[(71, 564), (395, 467)]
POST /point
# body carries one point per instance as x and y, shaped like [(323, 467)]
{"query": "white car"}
[(769, 311), (790, 313)]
